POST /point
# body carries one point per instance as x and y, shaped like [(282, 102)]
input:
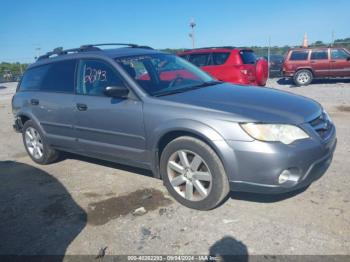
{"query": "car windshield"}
[(164, 74)]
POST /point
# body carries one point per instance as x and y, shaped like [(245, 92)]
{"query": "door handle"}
[(34, 102), (333, 61), (82, 107)]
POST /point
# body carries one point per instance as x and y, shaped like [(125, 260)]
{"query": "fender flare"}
[(29, 115)]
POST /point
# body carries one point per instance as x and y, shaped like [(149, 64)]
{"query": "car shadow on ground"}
[(110, 164), (38, 215), (289, 81), (229, 249), (264, 198)]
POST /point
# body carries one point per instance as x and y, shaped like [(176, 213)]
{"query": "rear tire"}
[(36, 145), (201, 183), (303, 77)]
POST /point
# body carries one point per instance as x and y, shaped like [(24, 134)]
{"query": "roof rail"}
[(123, 44), (85, 48)]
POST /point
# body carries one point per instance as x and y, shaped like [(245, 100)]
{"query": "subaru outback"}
[(202, 137)]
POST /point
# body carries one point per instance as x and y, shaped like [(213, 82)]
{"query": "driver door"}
[(107, 127), (340, 63)]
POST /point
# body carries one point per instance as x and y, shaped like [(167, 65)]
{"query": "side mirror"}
[(116, 91), (348, 59)]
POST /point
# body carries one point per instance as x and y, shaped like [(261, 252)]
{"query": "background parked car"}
[(305, 64), (7, 76), (275, 65), (229, 64)]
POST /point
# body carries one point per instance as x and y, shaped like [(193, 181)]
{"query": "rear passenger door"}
[(217, 67), (52, 102), (107, 127), (319, 60)]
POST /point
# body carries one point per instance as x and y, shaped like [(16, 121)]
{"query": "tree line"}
[(18, 68)]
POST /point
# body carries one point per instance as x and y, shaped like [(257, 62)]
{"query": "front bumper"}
[(258, 165)]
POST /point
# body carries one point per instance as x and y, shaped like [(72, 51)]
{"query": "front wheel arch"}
[(172, 135)]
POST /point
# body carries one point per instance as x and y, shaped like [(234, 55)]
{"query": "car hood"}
[(248, 103)]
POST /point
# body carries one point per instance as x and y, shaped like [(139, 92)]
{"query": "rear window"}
[(220, 58), (319, 55), (54, 77), (299, 55), (199, 59), (248, 56)]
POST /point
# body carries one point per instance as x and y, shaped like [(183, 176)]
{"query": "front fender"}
[(205, 132)]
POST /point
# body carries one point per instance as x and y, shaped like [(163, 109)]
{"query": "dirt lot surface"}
[(79, 205)]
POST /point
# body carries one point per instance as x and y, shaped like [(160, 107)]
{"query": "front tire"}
[(303, 77), (193, 173), (35, 143)]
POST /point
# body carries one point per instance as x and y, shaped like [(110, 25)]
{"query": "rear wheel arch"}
[(23, 118)]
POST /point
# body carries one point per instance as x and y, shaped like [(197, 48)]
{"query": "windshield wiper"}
[(181, 90), (208, 83)]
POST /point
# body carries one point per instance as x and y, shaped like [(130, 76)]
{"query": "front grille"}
[(322, 125)]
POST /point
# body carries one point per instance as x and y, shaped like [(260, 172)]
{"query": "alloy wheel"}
[(189, 175), (34, 143)]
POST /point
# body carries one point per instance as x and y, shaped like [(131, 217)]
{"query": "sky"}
[(26, 26)]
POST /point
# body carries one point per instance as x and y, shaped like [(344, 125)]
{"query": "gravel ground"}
[(80, 205)]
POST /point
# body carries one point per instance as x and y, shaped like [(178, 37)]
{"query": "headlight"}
[(274, 132), (327, 117)]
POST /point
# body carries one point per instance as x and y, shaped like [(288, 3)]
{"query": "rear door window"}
[(199, 59), (248, 56), (299, 55), (59, 77), (319, 54), (219, 58)]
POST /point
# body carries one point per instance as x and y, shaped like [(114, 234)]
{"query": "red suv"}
[(305, 64), (229, 64)]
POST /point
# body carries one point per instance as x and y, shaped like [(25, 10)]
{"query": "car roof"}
[(109, 53), (212, 49)]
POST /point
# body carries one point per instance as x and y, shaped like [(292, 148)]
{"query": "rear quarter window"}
[(33, 78), (299, 55)]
